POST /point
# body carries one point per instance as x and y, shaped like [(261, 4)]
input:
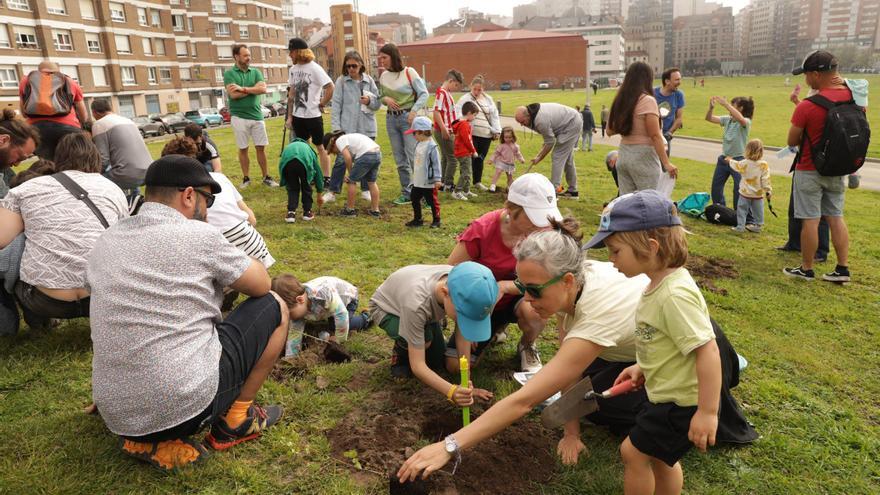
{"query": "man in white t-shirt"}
[(310, 89)]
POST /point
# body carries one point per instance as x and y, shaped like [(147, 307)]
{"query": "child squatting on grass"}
[(755, 183), (410, 306), (321, 299), (362, 159), (677, 358), (506, 155), (427, 174)]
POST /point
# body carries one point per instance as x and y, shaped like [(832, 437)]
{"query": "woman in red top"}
[(489, 240)]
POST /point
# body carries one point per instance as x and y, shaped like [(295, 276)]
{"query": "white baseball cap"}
[(537, 196)]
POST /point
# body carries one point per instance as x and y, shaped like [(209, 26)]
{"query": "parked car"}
[(266, 112), (543, 85), (204, 117), (227, 117), (505, 86), (176, 122), (276, 109), (149, 127)]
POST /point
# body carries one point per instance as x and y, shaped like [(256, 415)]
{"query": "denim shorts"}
[(366, 166)]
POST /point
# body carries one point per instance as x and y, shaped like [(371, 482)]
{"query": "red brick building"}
[(521, 58)]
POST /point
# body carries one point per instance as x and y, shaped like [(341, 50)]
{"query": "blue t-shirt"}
[(672, 103)]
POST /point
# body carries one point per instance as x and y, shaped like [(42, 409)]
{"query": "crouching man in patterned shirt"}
[(165, 365)]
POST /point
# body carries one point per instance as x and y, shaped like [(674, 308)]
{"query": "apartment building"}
[(397, 28), (701, 38), (350, 32), (145, 56)]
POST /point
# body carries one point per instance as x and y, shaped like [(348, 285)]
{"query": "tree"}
[(712, 65)]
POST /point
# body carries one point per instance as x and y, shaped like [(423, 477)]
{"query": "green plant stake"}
[(465, 411)]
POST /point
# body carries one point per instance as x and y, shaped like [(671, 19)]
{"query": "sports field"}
[(811, 388), (770, 93)]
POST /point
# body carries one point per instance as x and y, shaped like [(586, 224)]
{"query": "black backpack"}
[(845, 138), (721, 214)]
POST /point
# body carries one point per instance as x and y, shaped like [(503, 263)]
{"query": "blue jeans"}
[(337, 176), (753, 208), (404, 148), (587, 137), (719, 179)]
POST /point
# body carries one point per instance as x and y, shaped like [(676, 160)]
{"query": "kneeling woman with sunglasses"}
[(595, 305)]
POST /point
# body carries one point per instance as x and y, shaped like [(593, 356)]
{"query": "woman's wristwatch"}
[(453, 450)]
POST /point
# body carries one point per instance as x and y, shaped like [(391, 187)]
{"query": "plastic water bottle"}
[(294, 338)]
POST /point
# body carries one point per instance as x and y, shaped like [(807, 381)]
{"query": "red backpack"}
[(47, 95)]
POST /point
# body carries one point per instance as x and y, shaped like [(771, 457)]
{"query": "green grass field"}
[(811, 387), (772, 108)]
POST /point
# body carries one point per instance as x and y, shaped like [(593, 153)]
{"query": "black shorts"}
[(661, 431), (312, 128), (617, 413), (243, 336)]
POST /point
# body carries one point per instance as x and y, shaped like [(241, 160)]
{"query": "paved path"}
[(708, 151)]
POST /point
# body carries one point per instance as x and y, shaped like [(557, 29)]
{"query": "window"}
[(242, 10), (221, 28), (122, 44), (194, 46), (243, 32), (156, 18), (18, 4), (174, 2), (62, 41), (151, 75), (4, 37), (142, 16), (180, 48), (148, 46), (70, 70), (189, 24), (177, 22), (186, 3), (25, 37), (160, 47), (185, 74), (346, 24), (218, 74), (349, 37), (93, 41), (56, 7), (8, 77), (87, 9), (224, 51), (128, 76), (218, 6), (165, 74), (117, 12), (99, 75)]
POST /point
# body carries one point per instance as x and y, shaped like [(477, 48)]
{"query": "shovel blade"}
[(570, 406)]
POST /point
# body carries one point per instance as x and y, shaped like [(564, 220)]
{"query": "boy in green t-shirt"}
[(677, 357)]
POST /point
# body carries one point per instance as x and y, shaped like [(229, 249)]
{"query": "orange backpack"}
[(47, 95)]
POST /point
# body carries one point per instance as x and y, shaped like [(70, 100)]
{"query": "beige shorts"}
[(249, 130)]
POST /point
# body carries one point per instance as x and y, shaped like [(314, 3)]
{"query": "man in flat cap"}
[(165, 364)]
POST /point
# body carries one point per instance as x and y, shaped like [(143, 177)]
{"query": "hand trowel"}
[(579, 401)]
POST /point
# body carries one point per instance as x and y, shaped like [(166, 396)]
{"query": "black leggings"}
[(297, 183), (430, 197), (481, 144)]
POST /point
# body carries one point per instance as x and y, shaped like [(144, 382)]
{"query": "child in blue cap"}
[(676, 354), (411, 305), (427, 178)]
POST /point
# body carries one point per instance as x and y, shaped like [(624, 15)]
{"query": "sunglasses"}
[(536, 290), (209, 198), (352, 66)]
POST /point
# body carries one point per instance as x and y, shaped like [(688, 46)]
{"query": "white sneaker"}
[(329, 197), (481, 187), (492, 188), (366, 195), (529, 360), (459, 195), (470, 194)]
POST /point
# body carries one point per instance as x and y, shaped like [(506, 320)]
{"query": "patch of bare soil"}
[(376, 437), (705, 270)]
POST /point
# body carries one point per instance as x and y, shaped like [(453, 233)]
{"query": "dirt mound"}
[(377, 435), (706, 270)]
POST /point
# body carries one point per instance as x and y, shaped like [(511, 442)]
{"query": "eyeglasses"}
[(209, 198), (352, 66), (536, 290)]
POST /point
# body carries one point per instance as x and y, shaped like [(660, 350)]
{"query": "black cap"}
[(297, 44), (817, 61), (179, 171)]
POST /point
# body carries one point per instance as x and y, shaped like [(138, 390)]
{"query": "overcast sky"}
[(433, 13)]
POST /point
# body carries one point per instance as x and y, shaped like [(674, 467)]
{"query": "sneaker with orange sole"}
[(222, 436), (167, 455)]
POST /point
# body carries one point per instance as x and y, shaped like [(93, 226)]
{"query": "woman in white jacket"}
[(486, 127)]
